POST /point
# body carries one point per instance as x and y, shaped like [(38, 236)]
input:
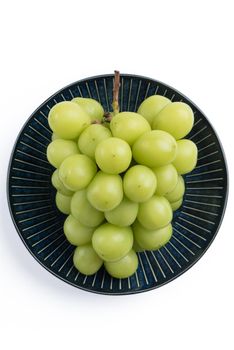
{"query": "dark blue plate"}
[(40, 225)]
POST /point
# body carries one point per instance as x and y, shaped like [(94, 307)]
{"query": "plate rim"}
[(133, 291)]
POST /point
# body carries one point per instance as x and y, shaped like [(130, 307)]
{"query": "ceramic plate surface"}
[(40, 225)]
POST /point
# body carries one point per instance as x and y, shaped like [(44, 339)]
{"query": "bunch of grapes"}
[(119, 178)]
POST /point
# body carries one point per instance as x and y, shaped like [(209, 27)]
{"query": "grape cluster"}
[(119, 181)]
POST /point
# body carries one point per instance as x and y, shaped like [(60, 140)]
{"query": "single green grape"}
[(176, 118), (151, 239), (154, 149), (112, 242), (186, 157), (128, 126), (76, 233), (167, 178), (63, 202), (139, 183), (113, 155), (176, 205), (124, 214), (56, 137), (178, 191), (60, 149), (91, 137), (57, 183), (151, 106), (67, 120), (105, 192), (86, 260), (155, 213), (83, 211), (124, 267), (91, 107), (77, 171)]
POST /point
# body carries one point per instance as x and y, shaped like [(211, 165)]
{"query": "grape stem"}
[(107, 117), (115, 103)]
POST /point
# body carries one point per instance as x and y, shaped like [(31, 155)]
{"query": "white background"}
[(46, 45)]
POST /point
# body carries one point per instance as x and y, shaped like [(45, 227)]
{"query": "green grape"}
[(63, 202), (91, 107), (167, 178), (154, 149), (124, 214), (177, 204), (139, 183), (124, 267), (86, 260), (178, 191), (186, 157), (77, 171), (151, 106), (82, 210), (136, 246), (155, 213), (90, 138), (105, 192), (151, 239), (176, 118), (68, 120), (57, 183), (128, 126), (54, 137), (112, 242), (76, 233), (60, 149), (113, 155)]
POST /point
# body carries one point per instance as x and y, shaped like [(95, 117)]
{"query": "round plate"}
[(40, 225)]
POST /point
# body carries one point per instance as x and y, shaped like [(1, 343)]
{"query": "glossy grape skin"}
[(139, 183), (151, 106), (93, 108), (167, 178), (186, 157), (151, 239), (82, 210), (77, 171), (112, 242), (59, 149), (154, 149), (57, 183), (178, 191), (63, 203), (91, 137), (124, 214), (105, 192), (113, 155), (176, 118), (176, 205), (128, 126), (155, 213), (76, 233), (124, 267), (67, 120), (86, 260)]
